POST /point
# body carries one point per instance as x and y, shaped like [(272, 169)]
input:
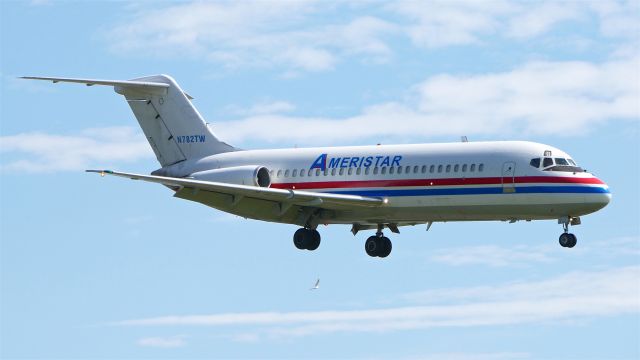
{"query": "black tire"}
[(573, 240), (564, 240), (314, 240), (371, 246), (385, 250), (300, 238)]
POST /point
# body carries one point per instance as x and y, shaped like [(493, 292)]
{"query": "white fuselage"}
[(420, 183)]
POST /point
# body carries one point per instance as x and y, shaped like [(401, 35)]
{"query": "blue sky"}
[(109, 268)]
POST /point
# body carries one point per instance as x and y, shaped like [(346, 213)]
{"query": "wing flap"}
[(302, 198)]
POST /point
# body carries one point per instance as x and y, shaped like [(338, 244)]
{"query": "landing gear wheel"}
[(306, 239), (371, 246), (386, 247), (315, 240), (300, 238), (573, 240), (378, 246), (568, 240)]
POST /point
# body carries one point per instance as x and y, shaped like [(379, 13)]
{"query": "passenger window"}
[(341, 171), (481, 167), (384, 170), (407, 169), (286, 173), (279, 173), (391, 170), (547, 162), (295, 173), (439, 168), (535, 162), (456, 168), (424, 169), (415, 169), (302, 172), (350, 171), (317, 172), (333, 172), (432, 168), (375, 170), (358, 171), (399, 169), (326, 172), (448, 168), (366, 171), (464, 168), (561, 161), (472, 168)]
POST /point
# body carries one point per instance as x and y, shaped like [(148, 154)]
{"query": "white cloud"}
[(615, 247), (527, 255), (273, 107), (474, 356), (446, 23), (39, 152), (163, 342), (560, 98), (250, 33), (539, 19), (492, 255), (314, 36), (577, 295), (618, 18)]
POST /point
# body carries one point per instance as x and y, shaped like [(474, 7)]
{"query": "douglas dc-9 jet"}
[(368, 187)]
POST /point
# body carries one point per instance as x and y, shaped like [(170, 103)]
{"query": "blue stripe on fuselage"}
[(478, 191)]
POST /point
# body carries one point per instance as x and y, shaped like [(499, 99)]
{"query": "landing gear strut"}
[(567, 239), (306, 239), (378, 245)]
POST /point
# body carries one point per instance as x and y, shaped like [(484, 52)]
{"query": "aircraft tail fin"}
[(172, 125)]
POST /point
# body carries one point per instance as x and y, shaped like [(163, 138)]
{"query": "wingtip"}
[(101, 172)]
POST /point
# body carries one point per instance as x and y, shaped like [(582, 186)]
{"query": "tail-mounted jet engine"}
[(251, 175)]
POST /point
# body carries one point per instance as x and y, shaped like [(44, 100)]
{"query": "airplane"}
[(373, 187)]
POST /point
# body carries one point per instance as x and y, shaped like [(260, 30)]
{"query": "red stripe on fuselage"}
[(434, 182)]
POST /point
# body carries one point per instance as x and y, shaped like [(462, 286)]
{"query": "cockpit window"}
[(561, 161), (566, 168), (547, 162), (571, 162), (535, 163)]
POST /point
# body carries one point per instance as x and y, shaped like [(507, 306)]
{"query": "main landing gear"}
[(378, 245), (567, 239), (306, 239)]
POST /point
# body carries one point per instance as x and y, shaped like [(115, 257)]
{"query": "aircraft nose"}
[(603, 198)]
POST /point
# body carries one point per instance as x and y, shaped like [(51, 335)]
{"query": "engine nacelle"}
[(252, 175)]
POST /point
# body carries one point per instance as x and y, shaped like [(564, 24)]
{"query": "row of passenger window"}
[(457, 168)]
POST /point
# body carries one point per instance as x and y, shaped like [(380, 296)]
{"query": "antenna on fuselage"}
[(464, 139)]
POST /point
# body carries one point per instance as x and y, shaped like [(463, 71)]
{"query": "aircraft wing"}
[(293, 197)]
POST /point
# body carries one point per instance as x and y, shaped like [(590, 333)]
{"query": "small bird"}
[(317, 285)]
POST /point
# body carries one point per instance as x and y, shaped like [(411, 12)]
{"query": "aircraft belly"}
[(410, 209)]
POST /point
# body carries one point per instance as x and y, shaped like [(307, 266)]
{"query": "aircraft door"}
[(508, 177)]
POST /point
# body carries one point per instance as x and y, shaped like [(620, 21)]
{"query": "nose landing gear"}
[(567, 239)]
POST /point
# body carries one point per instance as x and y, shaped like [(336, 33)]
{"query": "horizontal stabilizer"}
[(143, 86)]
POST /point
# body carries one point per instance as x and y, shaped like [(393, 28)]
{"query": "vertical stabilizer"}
[(174, 128)]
